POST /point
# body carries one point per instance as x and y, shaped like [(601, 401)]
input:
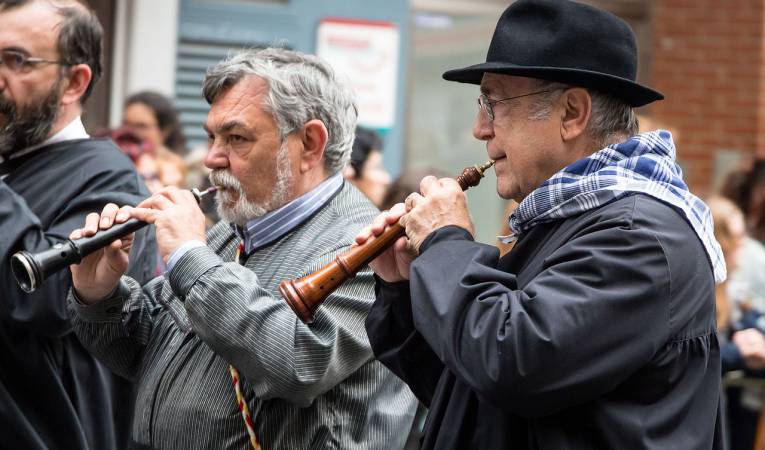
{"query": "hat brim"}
[(633, 93)]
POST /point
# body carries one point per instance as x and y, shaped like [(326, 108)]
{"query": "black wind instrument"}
[(30, 269)]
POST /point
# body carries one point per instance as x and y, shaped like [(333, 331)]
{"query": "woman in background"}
[(366, 170), (153, 118)]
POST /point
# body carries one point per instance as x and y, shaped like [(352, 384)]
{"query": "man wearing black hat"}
[(597, 330)]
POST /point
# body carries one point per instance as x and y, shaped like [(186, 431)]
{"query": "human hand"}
[(98, 274), (442, 203), (393, 264), (751, 345), (176, 216)]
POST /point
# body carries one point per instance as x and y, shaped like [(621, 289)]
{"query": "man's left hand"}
[(442, 203), (176, 216)]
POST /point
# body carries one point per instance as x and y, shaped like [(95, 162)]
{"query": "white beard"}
[(245, 210)]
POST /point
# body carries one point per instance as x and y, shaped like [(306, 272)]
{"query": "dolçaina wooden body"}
[(306, 294)]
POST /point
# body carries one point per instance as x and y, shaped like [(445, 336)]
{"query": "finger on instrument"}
[(401, 244), (428, 184), (411, 201), (115, 247), (403, 220), (156, 201), (75, 234), (107, 215), (362, 237), (116, 244), (123, 214), (127, 241), (378, 224), (147, 215), (408, 202), (395, 213), (449, 183), (175, 194), (91, 224)]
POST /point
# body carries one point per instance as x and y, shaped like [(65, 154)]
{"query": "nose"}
[(216, 157), (482, 128)]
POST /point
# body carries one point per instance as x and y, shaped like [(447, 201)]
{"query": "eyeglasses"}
[(486, 104), (16, 61)]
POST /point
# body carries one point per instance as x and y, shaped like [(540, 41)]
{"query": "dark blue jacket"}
[(594, 332)]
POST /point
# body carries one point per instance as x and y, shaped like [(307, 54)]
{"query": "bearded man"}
[(280, 131), (53, 394)]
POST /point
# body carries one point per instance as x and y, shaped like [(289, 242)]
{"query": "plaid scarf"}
[(643, 164)]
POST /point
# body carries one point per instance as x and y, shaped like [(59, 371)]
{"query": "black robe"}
[(53, 394), (595, 332)]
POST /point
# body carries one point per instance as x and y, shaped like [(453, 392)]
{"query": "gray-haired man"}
[(280, 129), (598, 329)]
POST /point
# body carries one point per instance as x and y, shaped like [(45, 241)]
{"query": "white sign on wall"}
[(366, 54)]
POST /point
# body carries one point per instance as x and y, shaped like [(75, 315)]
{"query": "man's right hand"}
[(393, 264), (98, 274)]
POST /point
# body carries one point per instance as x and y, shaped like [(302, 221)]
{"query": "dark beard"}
[(23, 128)]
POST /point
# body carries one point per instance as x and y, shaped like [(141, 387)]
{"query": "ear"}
[(314, 139), (78, 81), (576, 111)]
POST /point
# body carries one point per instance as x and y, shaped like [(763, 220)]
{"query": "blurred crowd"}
[(739, 217)]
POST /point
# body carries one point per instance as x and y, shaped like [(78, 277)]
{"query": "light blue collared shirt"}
[(264, 230)]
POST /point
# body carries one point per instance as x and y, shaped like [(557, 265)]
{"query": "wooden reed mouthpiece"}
[(304, 295)]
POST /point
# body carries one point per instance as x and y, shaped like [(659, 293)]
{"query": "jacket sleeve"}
[(397, 344), (117, 330), (730, 358), (44, 310), (595, 314), (261, 336)]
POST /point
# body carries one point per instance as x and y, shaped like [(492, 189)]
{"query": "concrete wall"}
[(146, 36)]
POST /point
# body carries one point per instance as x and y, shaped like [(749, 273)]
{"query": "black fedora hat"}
[(564, 41)]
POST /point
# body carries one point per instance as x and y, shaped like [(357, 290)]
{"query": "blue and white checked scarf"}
[(643, 164)]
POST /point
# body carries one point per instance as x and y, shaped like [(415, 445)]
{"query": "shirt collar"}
[(263, 230), (74, 130)]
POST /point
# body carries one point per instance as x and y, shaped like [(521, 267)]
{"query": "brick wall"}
[(707, 58)]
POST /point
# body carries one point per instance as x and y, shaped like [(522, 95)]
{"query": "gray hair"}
[(611, 118), (300, 88)]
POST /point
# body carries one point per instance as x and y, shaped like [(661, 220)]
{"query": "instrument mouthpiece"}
[(485, 166), (199, 195)]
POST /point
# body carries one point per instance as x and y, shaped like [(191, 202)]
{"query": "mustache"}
[(227, 181), (224, 178)]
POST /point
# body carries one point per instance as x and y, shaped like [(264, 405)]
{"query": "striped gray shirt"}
[(315, 387)]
